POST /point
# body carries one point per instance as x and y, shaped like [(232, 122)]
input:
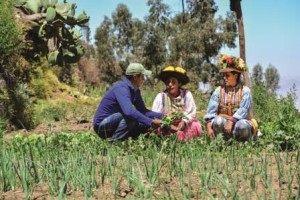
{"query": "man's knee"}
[(131, 124), (101, 133)]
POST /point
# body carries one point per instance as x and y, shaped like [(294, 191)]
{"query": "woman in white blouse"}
[(175, 99)]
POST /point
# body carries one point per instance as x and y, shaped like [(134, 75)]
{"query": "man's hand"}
[(228, 126), (156, 123), (210, 131)]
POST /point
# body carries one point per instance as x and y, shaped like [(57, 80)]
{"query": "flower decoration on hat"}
[(230, 63)]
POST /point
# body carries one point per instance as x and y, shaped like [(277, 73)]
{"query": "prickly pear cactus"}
[(55, 24)]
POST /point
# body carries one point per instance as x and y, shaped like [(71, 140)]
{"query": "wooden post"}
[(235, 6)]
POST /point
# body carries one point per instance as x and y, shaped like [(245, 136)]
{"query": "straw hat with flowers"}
[(230, 63)]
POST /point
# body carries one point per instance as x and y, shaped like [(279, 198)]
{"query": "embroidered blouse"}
[(230, 96), (184, 102)]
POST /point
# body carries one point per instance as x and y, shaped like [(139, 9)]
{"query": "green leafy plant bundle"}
[(168, 120)]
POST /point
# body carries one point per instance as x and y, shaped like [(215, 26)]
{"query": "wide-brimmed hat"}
[(230, 63), (176, 72), (137, 68)]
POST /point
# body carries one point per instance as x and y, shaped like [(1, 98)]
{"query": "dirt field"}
[(167, 187)]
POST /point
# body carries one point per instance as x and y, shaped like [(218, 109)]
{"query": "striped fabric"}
[(230, 99)]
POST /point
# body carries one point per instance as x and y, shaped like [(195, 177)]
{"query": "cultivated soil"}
[(40, 191)]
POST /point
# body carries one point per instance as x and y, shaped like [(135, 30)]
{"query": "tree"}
[(138, 40), (195, 41), (191, 39), (119, 40), (123, 32), (155, 46), (257, 75), (109, 72), (272, 78)]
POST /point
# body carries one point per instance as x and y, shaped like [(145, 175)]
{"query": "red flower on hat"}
[(229, 60), (232, 62)]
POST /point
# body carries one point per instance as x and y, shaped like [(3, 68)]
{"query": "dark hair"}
[(239, 78), (129, 77), (182, 78), (172, 75)]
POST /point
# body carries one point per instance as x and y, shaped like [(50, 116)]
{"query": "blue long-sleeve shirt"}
[(123, 97), (242, 112)]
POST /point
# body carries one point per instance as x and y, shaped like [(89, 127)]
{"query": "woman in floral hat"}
[(177, 104), (230, 106)]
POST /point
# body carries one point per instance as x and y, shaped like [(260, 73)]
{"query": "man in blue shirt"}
[(122, 112)]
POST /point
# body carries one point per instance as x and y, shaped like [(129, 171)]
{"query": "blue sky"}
[(272, 29)]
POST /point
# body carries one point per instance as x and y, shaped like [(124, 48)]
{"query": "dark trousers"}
[(117, 127)]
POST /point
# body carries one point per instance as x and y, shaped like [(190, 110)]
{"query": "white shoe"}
[(259, 134)]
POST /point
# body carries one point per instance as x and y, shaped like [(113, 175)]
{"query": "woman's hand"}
[(181, 126), (210, 130), (178, 126), (228, 126), (173, 128)]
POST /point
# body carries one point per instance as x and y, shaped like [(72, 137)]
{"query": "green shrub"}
[(4, 102), (288, 122), (22, 108), (278, 118), (9, 31), (2, 127), (264, 104), (40, 88), (53, 113)]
